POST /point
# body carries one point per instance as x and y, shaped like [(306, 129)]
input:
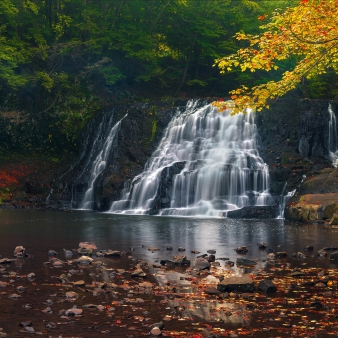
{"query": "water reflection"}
[(39, 231)]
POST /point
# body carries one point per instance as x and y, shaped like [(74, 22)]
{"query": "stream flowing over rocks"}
[(294, 142)]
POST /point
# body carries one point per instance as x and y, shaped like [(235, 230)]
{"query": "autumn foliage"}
[(307, 32)]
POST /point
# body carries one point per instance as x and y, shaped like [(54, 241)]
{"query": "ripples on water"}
[(44, 230)]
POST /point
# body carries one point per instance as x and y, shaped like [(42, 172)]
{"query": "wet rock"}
[(153, 249), (57, 263), (181, 249), (243, 284), (73, 312), (207, 334), (14, 296), (19, 251), (202, 256), (85, 251), (88, 245), (299, 255), (309, 248), (211, 258), (201, 264), (26, 323), (31, 275), (51, 325), (230, 263), (155, 331), (330, 248), (47, 310), (316, 305), (84, 260), (210, 290), (79, 283), (215, 264), (52, 253), (281, 254), (180, 260), (241, 249), (169, 248), (72, 295), (5, 261), (113, 253), (138, 273), (262, 246), (68, 253), (322, 253), (195, 251), (297, 274), (21, 288), (3, 334), (245, 262), (267, 286), (90, 306), (334, 256)]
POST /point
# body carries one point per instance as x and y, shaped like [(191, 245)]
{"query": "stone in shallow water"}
[(245, 262), (243, 284), (72, 294), (334, 256), (138, 273), (113, 253), (19, 251), (267, 286), (73, 312), (88, 245), (79, 283), (5, 261), (201, 264)]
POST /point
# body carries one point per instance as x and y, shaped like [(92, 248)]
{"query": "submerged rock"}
[(19, 251), (245, 262), (201, 264)]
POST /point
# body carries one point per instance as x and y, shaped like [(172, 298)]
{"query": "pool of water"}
[(40, 231)]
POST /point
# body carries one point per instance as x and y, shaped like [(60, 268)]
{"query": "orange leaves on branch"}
[(307, 31)]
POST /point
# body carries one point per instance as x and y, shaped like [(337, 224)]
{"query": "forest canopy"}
[(62, 61), (306, 35)]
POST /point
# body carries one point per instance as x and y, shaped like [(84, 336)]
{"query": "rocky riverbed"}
[(88, 292)]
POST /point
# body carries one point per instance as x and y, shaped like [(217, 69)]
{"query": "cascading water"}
[(333, 140), (206, 164), (98, 156)]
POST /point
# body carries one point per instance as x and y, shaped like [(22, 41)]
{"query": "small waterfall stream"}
[(97, 159), (206, 164), (333, 140)]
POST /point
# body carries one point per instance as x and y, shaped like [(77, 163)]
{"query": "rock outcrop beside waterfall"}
[(294, 141)]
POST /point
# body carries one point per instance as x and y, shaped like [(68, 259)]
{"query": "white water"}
[(98, 161), (333, 140), (218, 167)]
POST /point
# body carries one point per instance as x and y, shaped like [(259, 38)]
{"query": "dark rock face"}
[(255, 212), (293, 140)]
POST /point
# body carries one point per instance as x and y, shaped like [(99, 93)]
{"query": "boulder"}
[(243, 284), (201, 264), (245, 262), (334, 256), (267, 286)]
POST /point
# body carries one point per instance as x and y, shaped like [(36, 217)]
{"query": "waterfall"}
[(96, 162), (206, 164), (333, 141)]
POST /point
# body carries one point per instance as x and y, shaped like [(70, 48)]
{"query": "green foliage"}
[(63, 60)]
